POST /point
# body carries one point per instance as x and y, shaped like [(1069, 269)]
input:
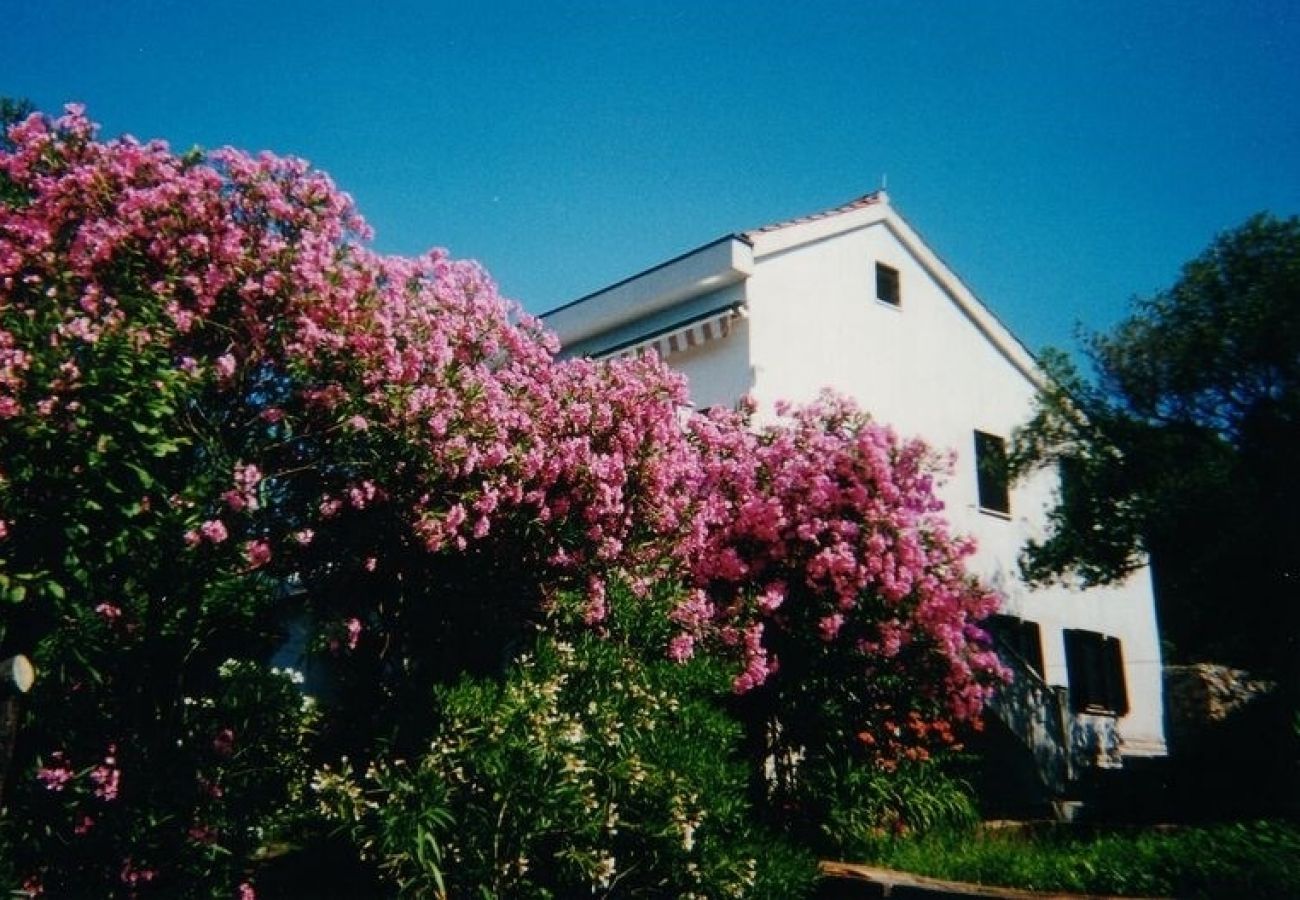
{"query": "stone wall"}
[(1205, 695)]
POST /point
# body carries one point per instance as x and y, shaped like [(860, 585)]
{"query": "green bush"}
[(588, 769), (858, 806), (184, 819)]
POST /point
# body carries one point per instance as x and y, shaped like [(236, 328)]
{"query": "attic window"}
[(887, 285), (991, 473)]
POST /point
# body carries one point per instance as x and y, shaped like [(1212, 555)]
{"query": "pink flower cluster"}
[(105, 778), (825, 527), (56, 775), (352, 384)]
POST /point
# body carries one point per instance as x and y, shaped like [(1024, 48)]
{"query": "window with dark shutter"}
[(888, 289), (991, 473), (1019, 637), (1095, 664)]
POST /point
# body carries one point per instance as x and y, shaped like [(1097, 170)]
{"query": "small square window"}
[(991, 473), (1095, 664), (887, 285)]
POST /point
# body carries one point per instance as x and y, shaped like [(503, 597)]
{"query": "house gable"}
[(873, 210), (923, 365)]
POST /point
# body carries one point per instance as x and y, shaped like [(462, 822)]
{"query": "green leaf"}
[(146, 479)]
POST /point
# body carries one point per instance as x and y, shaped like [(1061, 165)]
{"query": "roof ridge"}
[(871, 199)]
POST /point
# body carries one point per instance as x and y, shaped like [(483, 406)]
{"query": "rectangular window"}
[(1020, 638), (887, 286), (991, 473), (1095, 664)]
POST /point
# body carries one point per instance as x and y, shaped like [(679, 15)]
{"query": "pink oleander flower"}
[(247, 477), (214, 531), (223, 744), (225, 366), (133, 876), (107, 778), (56, 775), (771, 599), (257, 553), (83, 825), (246, 892), (353, 627), (829, 626), (596, 608), (681, 648), (109, 612), (358, 423), (304, 537)]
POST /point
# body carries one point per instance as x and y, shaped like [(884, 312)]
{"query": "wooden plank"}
[(895, 883)]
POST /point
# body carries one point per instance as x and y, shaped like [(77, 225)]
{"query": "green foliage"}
[(11, 110), (863, 806), (591, 768), (1254, 859), (1183, 446), (221, 415), (226, 789)]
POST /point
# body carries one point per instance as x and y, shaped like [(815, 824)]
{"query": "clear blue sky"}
[(1061, 157)]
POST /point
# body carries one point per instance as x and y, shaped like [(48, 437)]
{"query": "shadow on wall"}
[(1033, 712)]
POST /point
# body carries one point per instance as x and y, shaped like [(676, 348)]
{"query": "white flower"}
[(605, 870)]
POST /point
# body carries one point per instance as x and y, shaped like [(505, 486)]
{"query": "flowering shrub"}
[(862, 807), (210, 390), (126, 818), (826, 564), (221, 414), (591, 770)]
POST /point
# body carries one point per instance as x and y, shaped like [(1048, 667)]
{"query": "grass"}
[(1255, 859)]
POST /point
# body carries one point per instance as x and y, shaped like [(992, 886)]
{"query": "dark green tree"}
[(1183, 447), (11, 111)]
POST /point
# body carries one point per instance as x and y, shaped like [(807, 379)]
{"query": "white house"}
[(853, 299)]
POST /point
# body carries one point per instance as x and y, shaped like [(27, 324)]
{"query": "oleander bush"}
[(225, 419), (862, 808), (596, 765)]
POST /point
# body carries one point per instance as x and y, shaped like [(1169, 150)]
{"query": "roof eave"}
[(715, 265)]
